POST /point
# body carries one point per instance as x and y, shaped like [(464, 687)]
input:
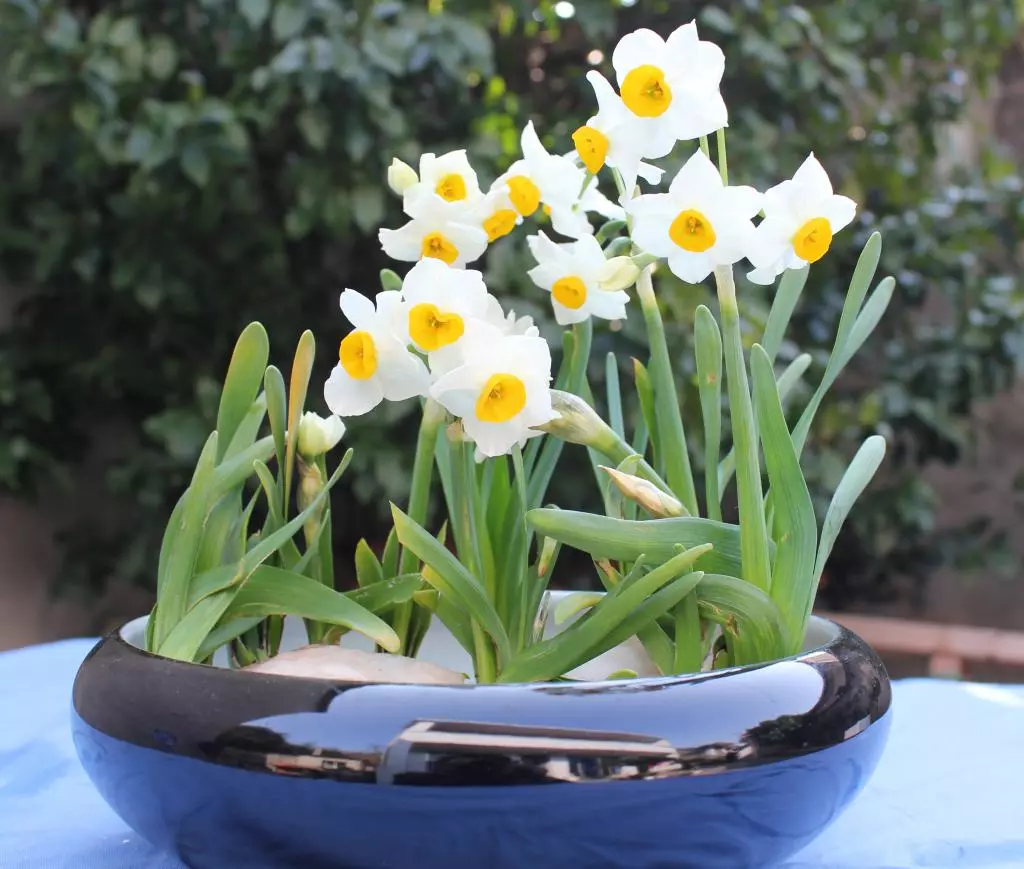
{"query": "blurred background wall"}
[(169, 172)]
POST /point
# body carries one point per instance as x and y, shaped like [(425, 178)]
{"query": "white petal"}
[(530, 142), (346, 396), (609, 104), (744, 202), (690, 267), (358, 309), (813, 178), (402, 375), (697, 113), (682, 41), (403, 244), (839, 211), (697, 180), (708, 63), (766, 275), (470, 241), (595, 200), (494, 439), (609, 306), (570, 221), (638, 48), (770, 241), (650, 174), (656, 137), (568, 316)]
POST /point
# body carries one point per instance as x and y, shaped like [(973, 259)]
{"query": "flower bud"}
[(618, 273), (318, 435), (401, 176), (577, 422), (659, 504)]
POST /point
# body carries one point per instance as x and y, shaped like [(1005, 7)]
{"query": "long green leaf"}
[(556, 656), (387, 593), (645, 395), (450, 578), (614, 393), (708, 350), (221, 519), (248, 428), (269, 545), (181, 559), (236, 469), (242, 383), (625, 540), (860, 472), (667, 406), (783, 304), (796, 529), (277, 411), (368, 569), (544, 468), (223, 634), (273, 591), (751, 623), (787, 381), (302, 369), (863, 275), (167, 544), (185, 639), (753, 529)]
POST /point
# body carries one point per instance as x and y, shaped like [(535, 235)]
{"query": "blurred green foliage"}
[(169, 172)]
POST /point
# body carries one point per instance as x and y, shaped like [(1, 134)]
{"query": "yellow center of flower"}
[(645, 92), (692, 231), (431, 329), (358, 355), (812, 240), (437, 246), (592, 146), (524, 193), (451, 188), (569, 291), (502, 222), (502, 397)]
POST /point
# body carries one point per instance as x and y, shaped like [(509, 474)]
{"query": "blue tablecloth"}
[(949, 791)]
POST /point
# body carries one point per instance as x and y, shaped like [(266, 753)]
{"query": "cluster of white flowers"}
[(445, 336)]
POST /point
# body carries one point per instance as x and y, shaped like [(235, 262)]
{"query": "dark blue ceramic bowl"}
[(725, 770)]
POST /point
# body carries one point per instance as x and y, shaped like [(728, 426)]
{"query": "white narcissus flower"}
[(509, 324), (554, 181), (373, 363), (436, 230), (449, 176), (501, 390), (699, 223), (497, 211), (800, 217), (572, 273), (439, 306), (613, 137), (670, 86), (318, 435)]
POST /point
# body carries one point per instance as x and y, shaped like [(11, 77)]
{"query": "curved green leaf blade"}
[(242, 383), (795, 526), (181, 556), (751, 623), (783, 304), (707, 341), (626, 540), (271, 591), (302, 369), (449, 577), (859, 473), (277, 410), (556, 656)]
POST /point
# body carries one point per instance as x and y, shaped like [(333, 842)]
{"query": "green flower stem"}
[(753, 531), (419, 502), (723, 159), (671, 437)]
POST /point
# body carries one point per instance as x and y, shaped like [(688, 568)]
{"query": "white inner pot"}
[(440, 647)]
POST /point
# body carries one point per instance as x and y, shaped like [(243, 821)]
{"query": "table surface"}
[(949, 791)]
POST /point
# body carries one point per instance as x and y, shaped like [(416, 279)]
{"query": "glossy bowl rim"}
[(836, 635)]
